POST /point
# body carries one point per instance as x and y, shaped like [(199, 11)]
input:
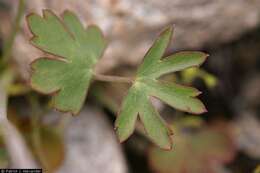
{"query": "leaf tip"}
[(168, 148), (28, 16), (201, 111), (28, 19), (168, 32), (204, 57), (67, 12), (47, 12), (69, 111), (169, 29), (205, 110), (169, 145), (120, 137)]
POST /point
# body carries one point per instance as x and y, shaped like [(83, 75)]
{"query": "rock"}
[(246, 105), (91, 145), (130, 26), (247, 134)]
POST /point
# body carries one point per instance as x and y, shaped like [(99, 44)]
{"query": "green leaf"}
[(76, 51), (147, 85), (192, 73)]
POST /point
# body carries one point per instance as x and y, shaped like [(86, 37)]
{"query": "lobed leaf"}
[(147, 85), (77, 50), (67, 75)]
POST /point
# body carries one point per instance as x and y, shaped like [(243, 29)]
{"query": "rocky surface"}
[(91, 145), (130, 26)]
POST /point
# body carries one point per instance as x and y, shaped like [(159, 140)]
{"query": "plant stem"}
[(8, 44), (108, 78)]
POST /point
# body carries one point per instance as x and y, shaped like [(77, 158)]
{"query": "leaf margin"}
[(56, 57)]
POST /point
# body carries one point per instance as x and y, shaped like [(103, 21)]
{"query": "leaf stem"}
[(109, 78)]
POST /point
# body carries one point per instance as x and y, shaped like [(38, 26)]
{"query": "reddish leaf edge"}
[(55, 57)]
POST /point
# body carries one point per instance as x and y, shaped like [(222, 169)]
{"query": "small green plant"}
[(77, 50)]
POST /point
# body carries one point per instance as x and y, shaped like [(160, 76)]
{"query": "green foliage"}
[(190, 74), (69, 74), (77, 50), (147, 85), (197, 151)]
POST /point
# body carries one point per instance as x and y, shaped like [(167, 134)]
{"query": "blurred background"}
[(226, 139)]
